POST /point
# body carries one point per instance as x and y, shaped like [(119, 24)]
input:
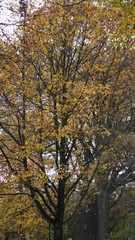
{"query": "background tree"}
[(122, 214), (107, 212)]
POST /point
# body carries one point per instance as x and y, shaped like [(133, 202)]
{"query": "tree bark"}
[(103, 218), (93, 216), (58, 231)]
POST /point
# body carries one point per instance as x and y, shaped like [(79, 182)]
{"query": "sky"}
[(6, 19)]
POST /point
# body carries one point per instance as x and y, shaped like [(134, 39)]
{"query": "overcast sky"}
[(6, 19)]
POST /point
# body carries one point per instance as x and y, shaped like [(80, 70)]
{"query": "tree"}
[(107, 212), (119, 173), (19, 219), (62, 85), (123, 213)]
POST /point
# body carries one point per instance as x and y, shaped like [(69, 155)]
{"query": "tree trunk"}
[(6, 236), (58, 226), (103, 218), (95, 220), (93, 216), (58, 231)]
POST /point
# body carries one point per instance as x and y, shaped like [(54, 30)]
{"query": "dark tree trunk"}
[(103, 218), (6, 236), (58, 231), (95, 218), (93, 215), (58, 225)]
